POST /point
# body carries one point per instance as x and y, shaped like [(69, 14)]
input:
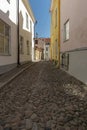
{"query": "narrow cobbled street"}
[(43, 98)]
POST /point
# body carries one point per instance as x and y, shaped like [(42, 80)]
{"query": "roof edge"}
[(28, 6)]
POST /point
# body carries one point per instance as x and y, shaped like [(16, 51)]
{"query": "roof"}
[(46, 40)]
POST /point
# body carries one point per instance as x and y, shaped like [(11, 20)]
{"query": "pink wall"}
[(76, 12)]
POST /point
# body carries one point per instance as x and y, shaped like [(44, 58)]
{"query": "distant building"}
[(42, 49), (39, 49), (9, 33)]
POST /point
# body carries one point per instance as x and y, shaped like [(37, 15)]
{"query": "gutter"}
[(18, 51), (59, 34)]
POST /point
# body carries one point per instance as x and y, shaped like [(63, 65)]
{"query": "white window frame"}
[(6, 38), (30, 26), (66, 30), (27, 21)]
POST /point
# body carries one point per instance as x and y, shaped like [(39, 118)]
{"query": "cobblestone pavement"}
[(43, 98), (6, 76)]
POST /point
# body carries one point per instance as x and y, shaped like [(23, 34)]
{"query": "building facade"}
[(55, 31), (10, 13), (74, 38), (42, 49), (72, 26), (39, 49)]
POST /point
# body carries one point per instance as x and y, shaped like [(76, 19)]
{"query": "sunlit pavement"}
[(43, 98)]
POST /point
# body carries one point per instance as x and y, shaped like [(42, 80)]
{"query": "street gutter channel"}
[(15, 75)]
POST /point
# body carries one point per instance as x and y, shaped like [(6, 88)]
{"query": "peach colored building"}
[(73, 44)]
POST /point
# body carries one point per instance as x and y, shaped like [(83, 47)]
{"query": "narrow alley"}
[(43, 98)]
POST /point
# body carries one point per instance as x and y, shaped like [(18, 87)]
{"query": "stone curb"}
[(14, 76)]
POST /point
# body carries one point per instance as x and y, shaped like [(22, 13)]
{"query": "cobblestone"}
[(43, 98)]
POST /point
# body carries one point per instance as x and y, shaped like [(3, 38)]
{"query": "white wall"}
[(23, 10), (8, 13), (12, 8)]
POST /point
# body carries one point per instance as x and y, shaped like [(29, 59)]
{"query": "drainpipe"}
[(59, 34), (34, 39), (18, 53)]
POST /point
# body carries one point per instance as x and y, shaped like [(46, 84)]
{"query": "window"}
[(28, 48), (65, 61), (30, 26), (21, 44), (55, 17), (27, 23), (36, 41), (46, 48), (4, 38), (8, 1), (66, 31)]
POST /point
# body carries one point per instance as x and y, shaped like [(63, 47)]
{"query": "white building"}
[(9, 33)]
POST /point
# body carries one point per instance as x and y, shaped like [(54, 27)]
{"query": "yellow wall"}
[(55, 31)]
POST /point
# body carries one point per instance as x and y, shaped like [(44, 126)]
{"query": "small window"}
[(46, 48), (66, 31), (30, 26), (27, 23), (8, 1), (21, 44), (4, 38)]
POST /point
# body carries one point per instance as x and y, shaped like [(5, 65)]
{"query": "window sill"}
[(66, 40)]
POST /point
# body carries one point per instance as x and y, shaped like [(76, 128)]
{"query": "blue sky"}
[(41, 12)]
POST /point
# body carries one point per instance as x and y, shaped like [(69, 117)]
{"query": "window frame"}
[(27, 21), (65, 30), (6, 37)]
